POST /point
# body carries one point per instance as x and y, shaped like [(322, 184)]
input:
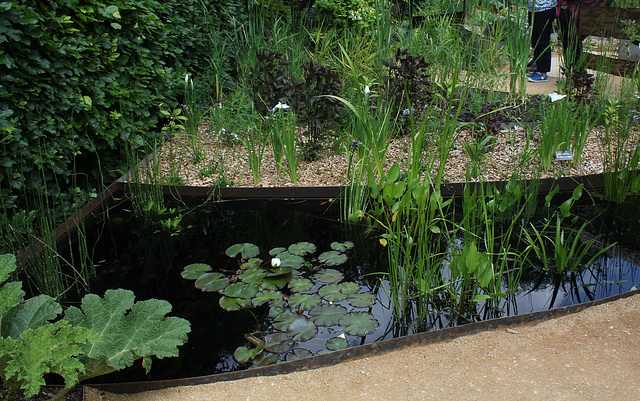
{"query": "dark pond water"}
[(146, 257)]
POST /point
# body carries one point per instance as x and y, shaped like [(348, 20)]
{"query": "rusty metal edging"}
[(361, 351)]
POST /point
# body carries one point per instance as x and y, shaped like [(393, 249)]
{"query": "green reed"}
[(255, 143)]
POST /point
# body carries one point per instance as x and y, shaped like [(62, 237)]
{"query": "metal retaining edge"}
[(361, 351)]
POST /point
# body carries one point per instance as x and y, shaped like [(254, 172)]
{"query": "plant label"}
[(564, 155)]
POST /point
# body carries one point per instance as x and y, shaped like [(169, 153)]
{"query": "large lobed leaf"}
[(127, 331), (11, 294), (48, 349)]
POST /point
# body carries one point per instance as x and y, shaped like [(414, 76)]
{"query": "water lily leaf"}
[(358, 323), (362, 300), (252, 276), (328, 276), (276, 251), (332, 293), (212, 282), (246, 250), (266, 296), (332, 258), (275, 282), (266, 358), (253, 262), (278, 343), (289, 260), (233, 304), (244, 354), (195, 270), (298, 353), (341, 246), (279, 271), (282, 322), (277, 303), (302, 248), (300, 285), (302, 329), (304, 301), (337, 343), (241, 290), (327, 315)]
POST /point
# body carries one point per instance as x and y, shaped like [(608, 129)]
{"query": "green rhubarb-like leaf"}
[(52, 348), (31, 314), (128, 331), (11, 294)]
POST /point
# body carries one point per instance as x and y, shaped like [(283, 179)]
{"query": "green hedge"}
[(82, 80)]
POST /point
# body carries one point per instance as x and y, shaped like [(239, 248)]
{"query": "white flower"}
[(275, 262), (281, 106), (366, 90), (186, 78), (342, 336)]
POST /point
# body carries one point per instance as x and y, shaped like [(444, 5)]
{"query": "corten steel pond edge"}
[(361, 351)]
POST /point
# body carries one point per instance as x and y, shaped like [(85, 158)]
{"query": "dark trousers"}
[(541, 27), (571, 40)]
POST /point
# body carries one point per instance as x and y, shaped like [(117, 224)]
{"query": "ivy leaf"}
[(128, 331)]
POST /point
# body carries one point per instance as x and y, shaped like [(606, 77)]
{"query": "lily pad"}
[(328, 276), (234, 304), (289, 260), (244, 354), (246, 250), (332, 258), (266, 358), (212, 282), (304, 301), (302, 329), (337, 343), (195, 270), (327, 315), (253, 262), (278, 343), (341, 246), (300, 285), (298, 353), (302, 248), (362, 300), (282, 322), (338, 292), (278, 303), (275, 282), (241, 290), (358, 323), (279, 271), (276, 251), (266, 296), (252, 276)]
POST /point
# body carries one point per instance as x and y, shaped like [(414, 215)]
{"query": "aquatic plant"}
[(302, 292)]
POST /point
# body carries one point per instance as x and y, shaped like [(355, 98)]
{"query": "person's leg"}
[(541, 39)]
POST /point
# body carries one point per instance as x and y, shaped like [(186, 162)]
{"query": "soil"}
[(590, 355)]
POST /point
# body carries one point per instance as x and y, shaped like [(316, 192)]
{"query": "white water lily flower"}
[(342, 336), (275, 262), (281, 106)]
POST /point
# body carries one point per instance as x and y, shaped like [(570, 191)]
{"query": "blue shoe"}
[(537, 77)]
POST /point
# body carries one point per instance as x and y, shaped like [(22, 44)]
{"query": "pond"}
[(148, 255)]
